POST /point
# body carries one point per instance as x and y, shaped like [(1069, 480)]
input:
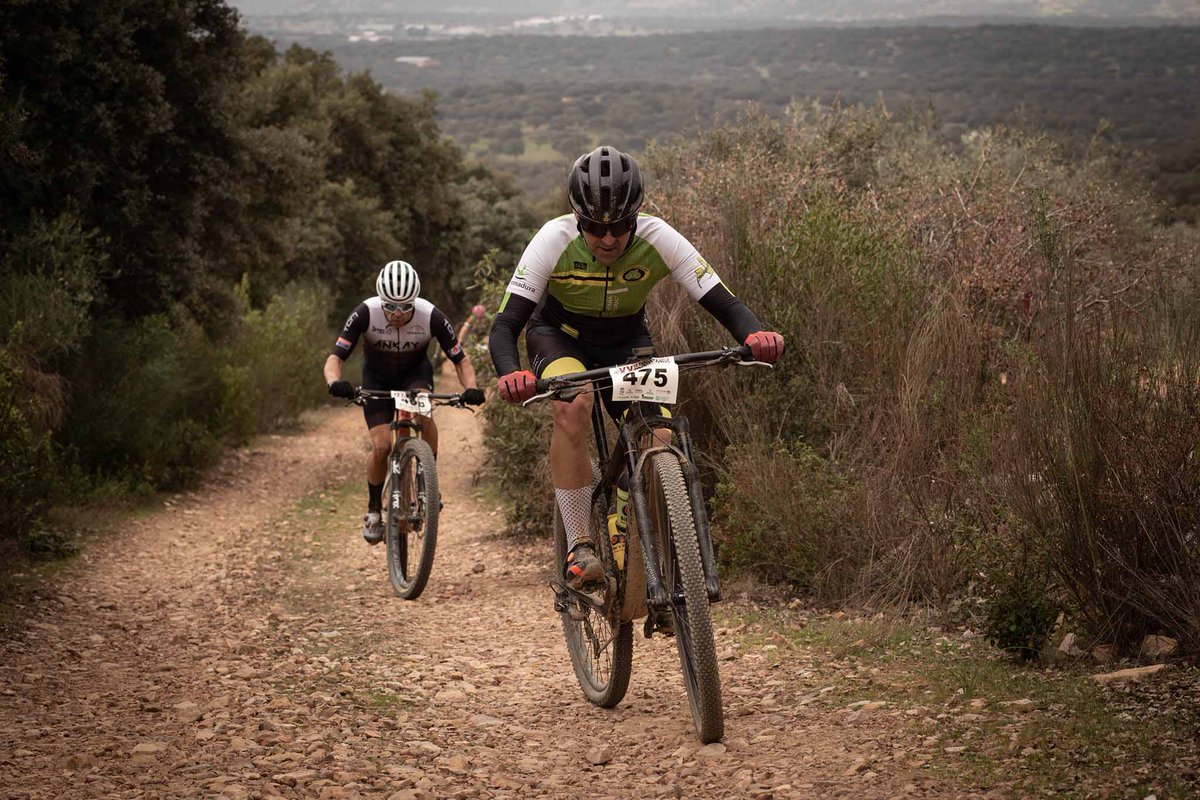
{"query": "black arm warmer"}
[(502, 341), (731, 312), (444, 332)]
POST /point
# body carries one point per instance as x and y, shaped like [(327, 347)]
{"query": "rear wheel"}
[(679, 560), (600, 644), (412, 504)]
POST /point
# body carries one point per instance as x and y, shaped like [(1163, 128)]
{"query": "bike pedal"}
[(594, 596)]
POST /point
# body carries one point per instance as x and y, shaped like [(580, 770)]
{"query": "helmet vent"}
[(605, 185)]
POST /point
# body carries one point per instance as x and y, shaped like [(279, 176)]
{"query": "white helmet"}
[(398, 283)]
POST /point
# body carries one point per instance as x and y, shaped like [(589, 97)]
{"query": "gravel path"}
[(243, 642)]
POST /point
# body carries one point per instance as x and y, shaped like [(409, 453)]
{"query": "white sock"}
[(575, 507)]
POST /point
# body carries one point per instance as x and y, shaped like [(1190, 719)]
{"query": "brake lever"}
[(537, 397)]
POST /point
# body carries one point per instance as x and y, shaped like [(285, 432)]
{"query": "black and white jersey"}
[(389, 352)]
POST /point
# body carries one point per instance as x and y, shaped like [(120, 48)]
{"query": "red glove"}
[(516, 387), (765, 346)]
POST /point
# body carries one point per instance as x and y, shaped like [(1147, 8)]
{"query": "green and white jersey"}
[(586, 299)]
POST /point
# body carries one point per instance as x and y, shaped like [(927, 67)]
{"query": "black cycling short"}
[(547, 344), (382, 412)]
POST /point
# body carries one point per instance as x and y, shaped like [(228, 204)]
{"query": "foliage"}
[(763, 483), (175, 394), (928, 298), (25, 458), (1100, 465), (925, 294), (1019, 617), (53, 279), (138, 148), (518, 439), (187, 212), (1133, 87), (263, 351)]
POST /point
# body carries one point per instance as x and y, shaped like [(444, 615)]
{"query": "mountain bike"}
[(667, 572), (411, 498)]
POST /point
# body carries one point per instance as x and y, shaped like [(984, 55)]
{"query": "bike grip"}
[(746, 353), (541, 385)]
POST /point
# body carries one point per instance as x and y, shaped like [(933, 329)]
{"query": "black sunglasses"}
[(392, 308), (598, 229)]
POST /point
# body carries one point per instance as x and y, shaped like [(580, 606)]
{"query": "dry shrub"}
[(765, 483), (1102, 470), (913, 282)]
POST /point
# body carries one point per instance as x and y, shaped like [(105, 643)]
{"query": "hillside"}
[(543, 99)]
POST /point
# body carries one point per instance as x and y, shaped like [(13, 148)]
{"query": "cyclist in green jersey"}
[(581, 285)]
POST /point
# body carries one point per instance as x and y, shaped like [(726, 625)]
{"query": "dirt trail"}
[(221, 647)]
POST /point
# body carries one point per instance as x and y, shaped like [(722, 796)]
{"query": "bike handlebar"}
[(547, 387), (362, 395)]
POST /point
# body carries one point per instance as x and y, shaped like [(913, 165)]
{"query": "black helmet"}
[(605, 185)]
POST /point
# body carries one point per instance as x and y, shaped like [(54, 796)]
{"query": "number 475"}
[(640, 377)]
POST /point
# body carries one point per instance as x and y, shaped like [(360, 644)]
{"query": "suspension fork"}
[(656, 593), (691, 479)]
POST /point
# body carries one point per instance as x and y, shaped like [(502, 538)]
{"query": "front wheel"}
[(599, 642), (413, 501), (683, 574)]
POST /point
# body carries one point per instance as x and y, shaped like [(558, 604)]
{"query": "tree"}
[(116, 110)]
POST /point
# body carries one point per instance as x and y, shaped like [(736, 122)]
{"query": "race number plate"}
[(414, 403), (655, 381)]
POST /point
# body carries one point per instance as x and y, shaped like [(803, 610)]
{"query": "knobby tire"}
[(413, 501), (602, 661), (684, 576)]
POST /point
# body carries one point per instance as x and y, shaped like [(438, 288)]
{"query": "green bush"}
[(145, 402), (155, 402), (1019, 617), (784, 513), (52, 276), (266, 350), (518, 438), (26, 465), (991, 351)]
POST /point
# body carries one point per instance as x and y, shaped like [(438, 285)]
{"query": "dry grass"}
[(922, 291)]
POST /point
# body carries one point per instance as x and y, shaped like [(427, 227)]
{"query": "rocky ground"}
[(243, 642)]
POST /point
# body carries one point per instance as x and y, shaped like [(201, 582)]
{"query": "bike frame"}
[(642, 420)]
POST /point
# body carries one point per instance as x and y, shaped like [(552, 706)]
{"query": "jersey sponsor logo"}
[(416, 330), (456, 349), (702, 271), (394, 346), (344, 343), (522, 286), (634, 274), (579, 264)]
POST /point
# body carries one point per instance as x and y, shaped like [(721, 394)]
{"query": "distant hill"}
[(527, 103)]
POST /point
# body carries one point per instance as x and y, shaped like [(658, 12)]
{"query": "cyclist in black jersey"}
[(581, 286), (396, 327)]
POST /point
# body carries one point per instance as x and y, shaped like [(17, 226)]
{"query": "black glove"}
[(342, 389), (473, 397)]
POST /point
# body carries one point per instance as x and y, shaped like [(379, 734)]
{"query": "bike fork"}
[(656, 592)]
